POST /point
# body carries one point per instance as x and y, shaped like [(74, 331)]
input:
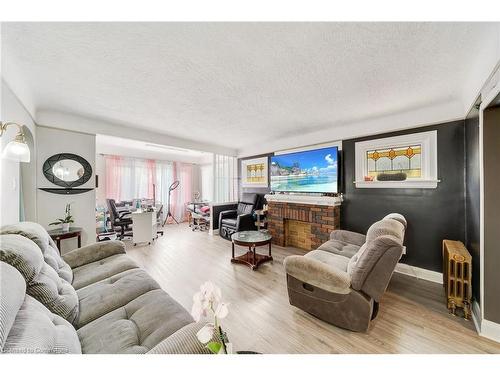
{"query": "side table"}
[(58, 234)]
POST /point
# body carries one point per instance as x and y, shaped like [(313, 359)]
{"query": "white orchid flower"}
[(208, 301), (222, 310), (206, 333), (210, 292)]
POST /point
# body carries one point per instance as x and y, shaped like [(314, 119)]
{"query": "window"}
[(395, 160), (406, 161), (225, 178)]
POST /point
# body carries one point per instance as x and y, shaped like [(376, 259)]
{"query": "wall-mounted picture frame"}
[(405, 161), (255, 172)]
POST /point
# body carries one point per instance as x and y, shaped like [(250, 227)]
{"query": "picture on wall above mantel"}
[(254, 172), (405, 161)]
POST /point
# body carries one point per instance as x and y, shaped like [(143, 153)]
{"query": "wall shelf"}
[(66, 191), (407, 184)]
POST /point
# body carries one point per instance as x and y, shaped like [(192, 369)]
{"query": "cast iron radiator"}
[(457, 268)]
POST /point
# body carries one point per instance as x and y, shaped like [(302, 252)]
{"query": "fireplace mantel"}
[(316, 200), (302, 221)]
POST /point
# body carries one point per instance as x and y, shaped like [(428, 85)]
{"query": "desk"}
[(58, 234), (143, 226)]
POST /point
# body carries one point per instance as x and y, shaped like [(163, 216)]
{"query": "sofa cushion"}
[(340, 248), (42, 281), (93, 252), (34, 328), (39, 235), (109, 294), (101, 269), (136, 327), (12, 294), (338, 261)]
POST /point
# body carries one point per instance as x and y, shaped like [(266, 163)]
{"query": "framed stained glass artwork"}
[(406, 161), (255, 172)]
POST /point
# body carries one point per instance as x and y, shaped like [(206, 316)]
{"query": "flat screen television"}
[(311, 171)]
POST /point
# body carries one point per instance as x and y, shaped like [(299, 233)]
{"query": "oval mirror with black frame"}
[(67, 170)]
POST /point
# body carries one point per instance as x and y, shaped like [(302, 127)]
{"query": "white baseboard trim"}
[(419, 273), (485, 328), (476, 316), (490, 330)]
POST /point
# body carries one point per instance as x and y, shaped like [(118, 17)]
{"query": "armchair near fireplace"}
[(344, 287), (240, 218)]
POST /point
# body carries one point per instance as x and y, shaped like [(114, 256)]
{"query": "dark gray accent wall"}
[(491, 161), (472, 197), (432, 214)]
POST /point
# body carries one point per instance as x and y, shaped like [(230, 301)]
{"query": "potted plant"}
[(208, 302), (66, 220)]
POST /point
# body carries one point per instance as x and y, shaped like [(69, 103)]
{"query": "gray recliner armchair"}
[(343, 280)]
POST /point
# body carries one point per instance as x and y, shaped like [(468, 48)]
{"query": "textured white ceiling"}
[(110, 145), (239, 85)]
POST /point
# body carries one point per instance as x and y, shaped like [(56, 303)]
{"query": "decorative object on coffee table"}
[(251, 239), (208, 301), (58, 234), (66, 220), (457, 277)]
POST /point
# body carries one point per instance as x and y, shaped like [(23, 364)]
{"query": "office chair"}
[(119, 219)]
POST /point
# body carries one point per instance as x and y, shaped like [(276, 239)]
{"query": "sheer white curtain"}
[(164, 178), (184, 193), (128, 178), (225, 178)]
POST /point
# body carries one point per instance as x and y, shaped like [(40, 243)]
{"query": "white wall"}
[(207, 181), (100, 170), (50, 206), (13, 110)]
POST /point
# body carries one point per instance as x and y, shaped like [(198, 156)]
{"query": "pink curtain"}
[(113, 177), (128, 178)]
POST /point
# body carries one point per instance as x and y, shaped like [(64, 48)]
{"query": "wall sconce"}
[(17, 149)]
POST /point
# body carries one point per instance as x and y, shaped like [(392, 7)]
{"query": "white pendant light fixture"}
[(17, 149)]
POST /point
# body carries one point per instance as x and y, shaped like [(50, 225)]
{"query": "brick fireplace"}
[(301, 224)]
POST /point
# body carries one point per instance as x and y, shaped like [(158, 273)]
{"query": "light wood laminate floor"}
[(412, 317)]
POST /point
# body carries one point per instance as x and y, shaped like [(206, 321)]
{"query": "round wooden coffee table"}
[(251, 239)]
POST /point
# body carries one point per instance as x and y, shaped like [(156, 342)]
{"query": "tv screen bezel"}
[(336, 147)]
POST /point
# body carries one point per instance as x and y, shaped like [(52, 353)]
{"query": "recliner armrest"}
[(318, 274), (354, 238), (228, 213), (94, 252), (245, 222)]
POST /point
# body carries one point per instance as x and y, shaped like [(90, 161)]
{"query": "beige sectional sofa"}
[(91, 300)]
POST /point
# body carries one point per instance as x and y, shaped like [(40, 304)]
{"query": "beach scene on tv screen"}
[(306, 171)]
